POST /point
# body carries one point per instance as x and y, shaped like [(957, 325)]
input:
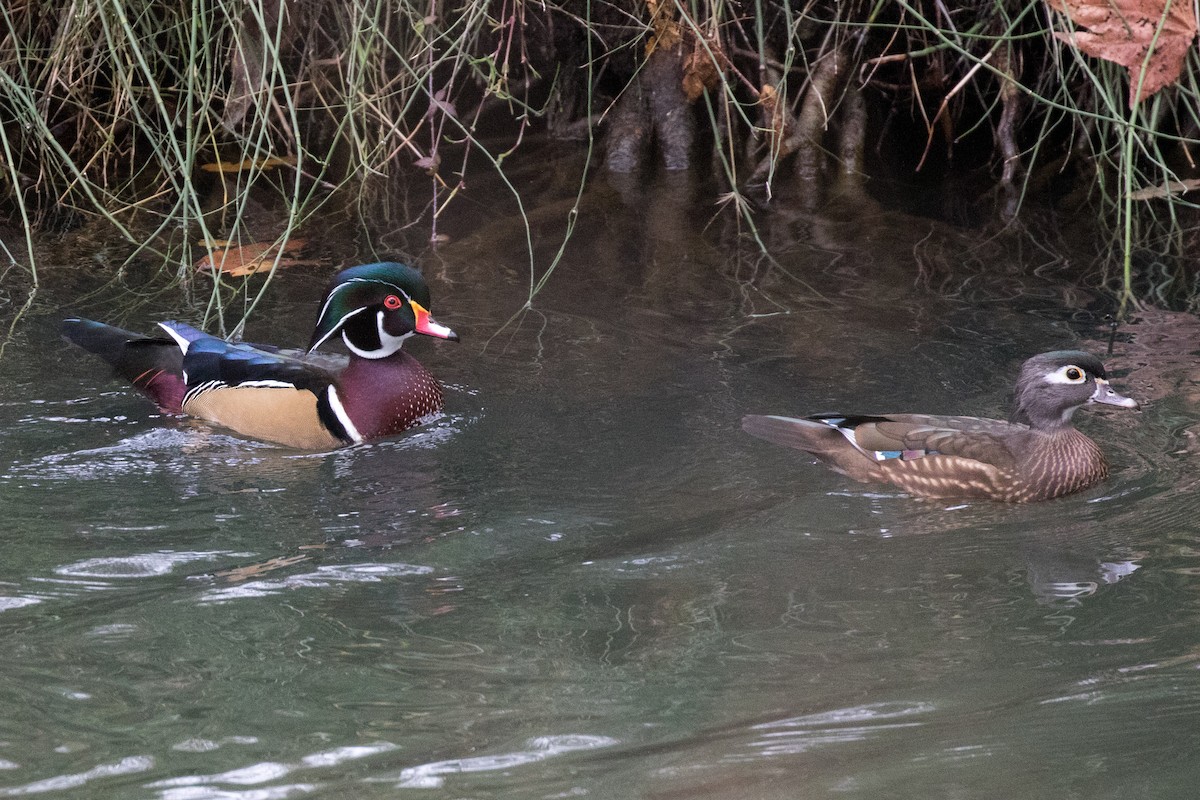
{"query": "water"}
[(586, 581)]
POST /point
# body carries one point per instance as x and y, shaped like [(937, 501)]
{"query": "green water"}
[(586, 581)]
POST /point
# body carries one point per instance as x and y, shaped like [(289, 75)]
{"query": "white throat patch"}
[(388, 344)]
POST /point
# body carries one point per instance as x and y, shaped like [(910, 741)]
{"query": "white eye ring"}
[(1069, 374)]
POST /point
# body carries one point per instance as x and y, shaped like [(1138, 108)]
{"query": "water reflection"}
[(584, 580), (141, 565), (130, 765), (433, 775), (1068, 576), (837, 726), (322, 577), (201, 787)]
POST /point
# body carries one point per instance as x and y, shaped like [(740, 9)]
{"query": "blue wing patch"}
[(210, 363), (903, 455)]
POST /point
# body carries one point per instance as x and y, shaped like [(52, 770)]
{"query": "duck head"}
[(1052, 386), (376, 307)]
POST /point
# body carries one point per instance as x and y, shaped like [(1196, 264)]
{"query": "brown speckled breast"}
[(384, 397), (1058, 464)]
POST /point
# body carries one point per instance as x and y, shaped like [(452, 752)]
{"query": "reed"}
[(121, 109)]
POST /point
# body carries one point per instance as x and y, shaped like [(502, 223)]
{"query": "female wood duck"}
[(1036, 456), (294, 398)]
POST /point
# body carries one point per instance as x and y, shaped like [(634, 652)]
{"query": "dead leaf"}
[(240, 260), (254, 570), (440, 102), (776, 119), (269, 162), (700, 69), (666, 33), (1127, 32), (1171, 188), (429, 163)]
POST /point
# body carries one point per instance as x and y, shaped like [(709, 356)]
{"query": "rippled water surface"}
[(585, 580)]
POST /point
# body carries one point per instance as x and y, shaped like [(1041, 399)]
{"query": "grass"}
[(120, 105)]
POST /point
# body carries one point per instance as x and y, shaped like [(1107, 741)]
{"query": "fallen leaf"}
[(250, 163), (1150, 38), (254, 570), (240, 260), (1171, 188)]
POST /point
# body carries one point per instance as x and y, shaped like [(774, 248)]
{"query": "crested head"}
[(1053, 385), (1044, 362), (376, 307)]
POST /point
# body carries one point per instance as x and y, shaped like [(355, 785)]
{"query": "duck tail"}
[(153, 365), (816, 437)]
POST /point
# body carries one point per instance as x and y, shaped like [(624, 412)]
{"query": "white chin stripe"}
[(339, 411), (388, 344)]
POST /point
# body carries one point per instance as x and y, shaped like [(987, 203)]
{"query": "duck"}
[(1036, 455), (298, 399)]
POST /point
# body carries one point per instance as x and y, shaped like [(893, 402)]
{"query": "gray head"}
[(1052, 385)]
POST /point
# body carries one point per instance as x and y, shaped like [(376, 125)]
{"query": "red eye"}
[(392, 302)]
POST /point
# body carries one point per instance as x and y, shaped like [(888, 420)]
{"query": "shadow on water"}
[(585, 580)]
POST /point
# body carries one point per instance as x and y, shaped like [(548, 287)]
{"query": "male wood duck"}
[(297, 399), (1038, 455)]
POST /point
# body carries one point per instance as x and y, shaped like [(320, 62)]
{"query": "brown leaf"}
[(1169, 189), (776, 119), (1127, 32), (254, 570), (700, 70), (246, 259), (241, 166), (665, 30)]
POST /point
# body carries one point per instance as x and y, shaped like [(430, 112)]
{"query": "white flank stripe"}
[(339, 410), (200, 389)]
